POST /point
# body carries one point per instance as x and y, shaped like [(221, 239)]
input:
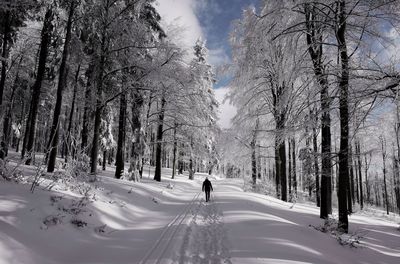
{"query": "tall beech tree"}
[(62, 82), (46, 34), (344, 115)]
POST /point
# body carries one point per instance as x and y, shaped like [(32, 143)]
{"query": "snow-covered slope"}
[(169, 222)]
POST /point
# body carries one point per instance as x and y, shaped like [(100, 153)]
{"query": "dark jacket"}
[(207, 186)]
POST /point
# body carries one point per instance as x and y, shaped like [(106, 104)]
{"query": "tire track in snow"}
[(205, 239)]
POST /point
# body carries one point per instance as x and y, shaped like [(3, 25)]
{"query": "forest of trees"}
[(94, 82), (315, 84), (316, 88)]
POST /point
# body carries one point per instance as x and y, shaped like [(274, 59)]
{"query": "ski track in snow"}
[(157, 253), (205, 238)]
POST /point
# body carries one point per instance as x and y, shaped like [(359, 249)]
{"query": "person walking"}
[(207, 187)]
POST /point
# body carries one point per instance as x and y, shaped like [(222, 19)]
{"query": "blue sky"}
[(215, 17), (210, 20)]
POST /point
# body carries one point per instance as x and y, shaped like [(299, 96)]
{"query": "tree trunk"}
[(282, 168), (314, 42), (343, 223), (253, 164), (96, 132), (104, 160), (62, 82), (277, 168), (290, 170), (174, 153), (316, 168), (361, 194), (294, 166), (119, 162), (157, 174), (26, 134), (8, 116), (87, 108), (4, 53), (383, 143), (99, 96), (253, 156), (180, 160), (351, 168), (137, 147), (70, 148), (191, 165), (367, 187), (44, 44)]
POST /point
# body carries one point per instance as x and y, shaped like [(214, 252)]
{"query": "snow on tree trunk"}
[(138, 144)]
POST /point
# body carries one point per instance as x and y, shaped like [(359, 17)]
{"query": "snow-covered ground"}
[(170, 222)]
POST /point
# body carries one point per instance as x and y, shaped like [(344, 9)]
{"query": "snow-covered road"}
[(240, 227), (170, 222)]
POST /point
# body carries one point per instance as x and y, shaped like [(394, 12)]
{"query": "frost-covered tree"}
[(266, 83)]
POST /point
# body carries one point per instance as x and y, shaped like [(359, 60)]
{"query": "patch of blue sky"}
[(215, 18)]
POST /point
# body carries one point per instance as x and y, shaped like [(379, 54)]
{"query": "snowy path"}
[(205, 238), (157, 254), (150, 223), (262, 229)]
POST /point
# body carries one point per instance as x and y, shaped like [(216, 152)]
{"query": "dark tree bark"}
[(355, 166), (290, 170), (99, 94), (314, 41), (119, 162), (253, 156), (282, 169), (253, 164), (191, 165), (343, 223), (350, 189), (174, 153), (26, 134), (157, 174), (383, 144), (280, 146), (367, 187), (351, 168), (316, 168), (44, 45), (104, 160), (361, 191), (180, 159), (8, 116), (62, 82), (277, 169), (87, 108), (4, 53), (294, 166)]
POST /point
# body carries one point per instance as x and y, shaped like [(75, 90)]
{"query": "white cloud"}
[(183, 13), (218, 57), (226, 110)]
